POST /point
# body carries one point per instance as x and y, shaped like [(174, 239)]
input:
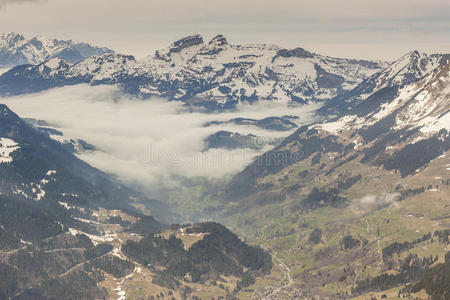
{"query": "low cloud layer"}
[(370, 203), (148, 142)]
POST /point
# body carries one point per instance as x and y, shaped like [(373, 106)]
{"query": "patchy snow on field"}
[(38, 188), (86, 221), (18, 191), (40, 194), (435, 124), (50, 172), (65, 205), (94, 238), (121, 293), (7, 146), (347, 123)]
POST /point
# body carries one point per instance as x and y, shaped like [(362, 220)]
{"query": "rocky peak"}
[(17, 50), (186, 42), (297, 52), (12, 36), (37, 43), (10, 39), (414, 53), (218, 40), (215, 46), (180, 46), (411, 58), (113, 57), (413, 66)]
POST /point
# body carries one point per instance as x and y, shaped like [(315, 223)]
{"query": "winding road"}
[(287, 275)]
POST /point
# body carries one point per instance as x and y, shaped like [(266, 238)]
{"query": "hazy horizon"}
[(370, 30)]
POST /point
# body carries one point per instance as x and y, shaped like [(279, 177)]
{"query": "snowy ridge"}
[(109, 67), (215, 73), (224, 72), (15, 49), (407, 69), (424, 104), (430, 107)]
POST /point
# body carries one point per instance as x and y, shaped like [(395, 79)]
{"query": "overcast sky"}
[(349, 28)]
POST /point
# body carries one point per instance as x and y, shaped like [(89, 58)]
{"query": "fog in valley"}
[(152, 143)]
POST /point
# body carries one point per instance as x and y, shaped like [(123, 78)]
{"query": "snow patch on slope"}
[(345, 123), (96, 239), (435, 124), (7, 146)]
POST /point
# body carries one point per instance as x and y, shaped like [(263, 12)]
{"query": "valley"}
[(328, 267), (211, 170)]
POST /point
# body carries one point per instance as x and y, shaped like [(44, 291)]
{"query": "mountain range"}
[(218, 74), (16, 49), (215, 74)]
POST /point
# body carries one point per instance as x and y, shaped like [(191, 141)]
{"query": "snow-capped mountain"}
[(401, 133), (15, 49), (424, 104), (386, 160), (422, 108), (407, 69), (216, 73)]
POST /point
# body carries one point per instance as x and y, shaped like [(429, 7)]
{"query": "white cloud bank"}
[(147, 142)]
